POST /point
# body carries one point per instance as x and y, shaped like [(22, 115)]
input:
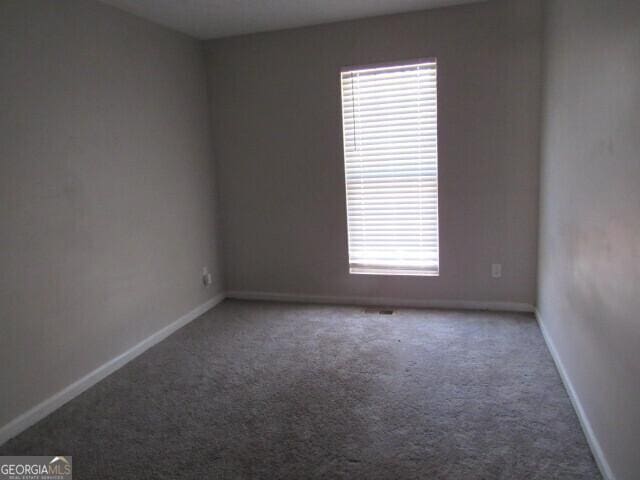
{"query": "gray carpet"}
[(268, 390)]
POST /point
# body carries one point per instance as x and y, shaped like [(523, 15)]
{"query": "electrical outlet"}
[(496, 270), (206, 277)]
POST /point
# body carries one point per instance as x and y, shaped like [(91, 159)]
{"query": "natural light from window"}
[(389, 119)]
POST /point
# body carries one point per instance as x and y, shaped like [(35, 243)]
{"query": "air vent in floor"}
[(379, 311)]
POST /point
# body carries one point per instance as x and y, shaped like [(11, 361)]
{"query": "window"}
[(389, 120)]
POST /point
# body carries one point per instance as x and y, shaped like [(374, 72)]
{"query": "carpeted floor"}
[(268, 390)]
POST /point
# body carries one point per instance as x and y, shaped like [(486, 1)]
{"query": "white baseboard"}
[(382, 301), (35, 414), (594, 444)]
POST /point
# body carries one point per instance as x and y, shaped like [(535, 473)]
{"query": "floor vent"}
[(379, 311)]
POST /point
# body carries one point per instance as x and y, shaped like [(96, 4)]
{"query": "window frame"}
[(399, 271)]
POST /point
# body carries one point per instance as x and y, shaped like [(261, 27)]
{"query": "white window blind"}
[(389, 119)]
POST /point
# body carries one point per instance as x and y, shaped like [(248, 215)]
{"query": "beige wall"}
[(590, 215), (106, 190), (277, 130)]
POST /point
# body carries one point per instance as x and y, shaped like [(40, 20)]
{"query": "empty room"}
[(304, 239)]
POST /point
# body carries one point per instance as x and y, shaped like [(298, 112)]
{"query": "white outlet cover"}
[(496, 270)]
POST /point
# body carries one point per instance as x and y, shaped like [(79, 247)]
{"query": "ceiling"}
[(221, 18)]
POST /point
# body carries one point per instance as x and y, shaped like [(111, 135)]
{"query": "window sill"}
[(392, 272)]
